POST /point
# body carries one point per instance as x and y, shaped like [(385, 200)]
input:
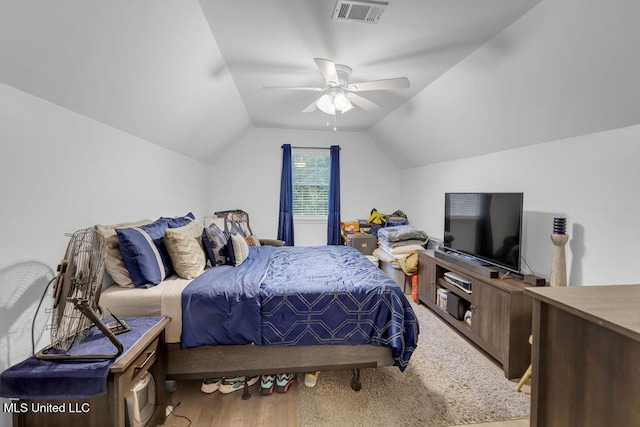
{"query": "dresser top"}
[(616, 307)]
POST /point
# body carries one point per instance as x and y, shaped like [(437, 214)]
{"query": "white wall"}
[(564, 77), (592, 180), (368, 179), (566, 68), (60, 172)]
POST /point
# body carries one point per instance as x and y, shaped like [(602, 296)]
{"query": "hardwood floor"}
[(277, 410), (217, 409)]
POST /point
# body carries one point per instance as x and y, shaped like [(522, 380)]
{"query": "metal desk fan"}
[(75, 300)]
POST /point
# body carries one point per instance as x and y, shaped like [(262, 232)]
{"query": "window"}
[(310, 184)]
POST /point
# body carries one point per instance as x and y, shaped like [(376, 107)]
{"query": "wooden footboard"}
[(233, 360)]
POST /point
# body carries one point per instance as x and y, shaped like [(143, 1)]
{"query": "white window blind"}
[(310, 184)]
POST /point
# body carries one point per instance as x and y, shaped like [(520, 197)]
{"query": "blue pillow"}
[(179, 221), (214, 242), (144, 253)]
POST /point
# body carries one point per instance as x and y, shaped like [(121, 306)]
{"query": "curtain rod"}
[(310, 148)]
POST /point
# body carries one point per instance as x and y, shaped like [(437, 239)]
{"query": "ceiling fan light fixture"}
[(334, 101), (347, 108), (325, 104), (341, 102)]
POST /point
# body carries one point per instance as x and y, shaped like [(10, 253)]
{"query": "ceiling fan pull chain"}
[(335, 122)]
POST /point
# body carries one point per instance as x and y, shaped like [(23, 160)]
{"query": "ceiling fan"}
[(340, 95)]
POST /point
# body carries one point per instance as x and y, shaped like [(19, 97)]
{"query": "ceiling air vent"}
[(368, 12)]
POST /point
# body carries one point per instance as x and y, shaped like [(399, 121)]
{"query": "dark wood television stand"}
[(501, 312)]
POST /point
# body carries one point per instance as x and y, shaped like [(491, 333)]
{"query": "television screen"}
[(486, 226)]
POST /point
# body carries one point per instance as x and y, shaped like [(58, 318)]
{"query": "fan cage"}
[(84, 274)]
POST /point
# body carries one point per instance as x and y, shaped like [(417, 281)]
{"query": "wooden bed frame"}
[(249, 360), (235, 360)]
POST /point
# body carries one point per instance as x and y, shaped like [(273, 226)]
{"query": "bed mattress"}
[(160, 300)]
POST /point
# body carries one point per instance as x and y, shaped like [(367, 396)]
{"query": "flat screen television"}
[(485, 226)]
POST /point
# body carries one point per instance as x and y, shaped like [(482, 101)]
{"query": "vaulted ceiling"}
[(188, 75)]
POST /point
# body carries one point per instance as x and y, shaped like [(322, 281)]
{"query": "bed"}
[(288, 309)]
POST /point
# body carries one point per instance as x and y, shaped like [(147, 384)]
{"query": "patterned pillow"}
[(240, 250), (184, 245), (144, 253), (113, 262), (252, 240), (214, 242)]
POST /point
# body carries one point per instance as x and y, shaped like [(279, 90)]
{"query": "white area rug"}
[(446, 383)]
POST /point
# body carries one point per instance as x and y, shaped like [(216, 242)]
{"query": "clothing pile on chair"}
[(379, 220), (397, 243)]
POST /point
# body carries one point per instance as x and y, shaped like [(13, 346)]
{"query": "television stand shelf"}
[(485, 270), (500, 311)]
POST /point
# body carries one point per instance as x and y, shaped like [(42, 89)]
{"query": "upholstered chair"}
[(237, 222)]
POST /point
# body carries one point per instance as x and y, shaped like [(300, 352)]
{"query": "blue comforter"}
[(222, 305), (299, 296)]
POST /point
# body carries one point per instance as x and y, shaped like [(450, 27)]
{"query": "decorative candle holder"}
[(559, 238)]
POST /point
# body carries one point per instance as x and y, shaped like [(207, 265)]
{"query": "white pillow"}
[(240, 249)]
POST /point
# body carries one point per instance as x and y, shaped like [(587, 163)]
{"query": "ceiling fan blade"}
[(312, 107), (362, 102), (328, 70), (395, 83), (312, 89)]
